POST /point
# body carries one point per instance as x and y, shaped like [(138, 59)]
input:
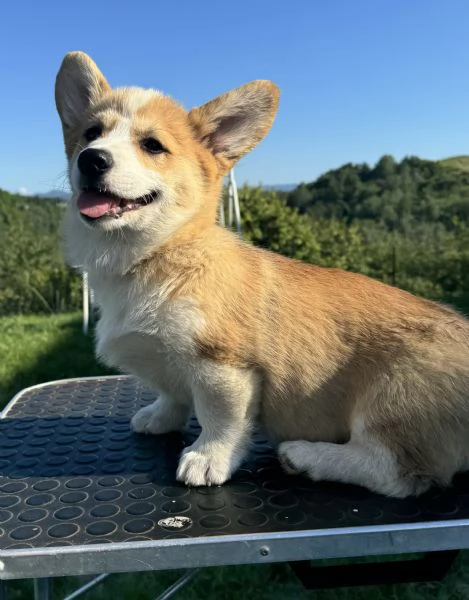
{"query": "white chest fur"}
[(142, 332)]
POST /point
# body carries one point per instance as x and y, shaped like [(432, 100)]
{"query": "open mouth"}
[(96, 204)]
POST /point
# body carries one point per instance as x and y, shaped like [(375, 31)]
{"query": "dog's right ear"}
[(78, 85)]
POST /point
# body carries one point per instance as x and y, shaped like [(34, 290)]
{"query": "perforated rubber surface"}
[(72, 473)]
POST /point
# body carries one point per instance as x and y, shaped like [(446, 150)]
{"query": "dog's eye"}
[(152, 146), (93, 133)]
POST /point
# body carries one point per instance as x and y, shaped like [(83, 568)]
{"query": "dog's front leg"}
[(162, 416), (225, 402)]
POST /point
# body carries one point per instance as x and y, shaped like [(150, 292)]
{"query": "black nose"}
[(93, 162)]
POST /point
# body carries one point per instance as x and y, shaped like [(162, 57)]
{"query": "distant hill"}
[(280, 187), (460, 163), (397, 194), (60, 194)]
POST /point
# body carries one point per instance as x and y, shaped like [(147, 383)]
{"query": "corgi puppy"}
[(356, 381)]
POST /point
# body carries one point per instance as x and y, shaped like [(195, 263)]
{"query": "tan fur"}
[(362, 382)]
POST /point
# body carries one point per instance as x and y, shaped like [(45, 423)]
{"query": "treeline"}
[(405, 223), (397, 195), (412, 217)]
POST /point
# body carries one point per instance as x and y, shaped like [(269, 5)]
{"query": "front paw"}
[(156, 419), (197, 468), (143, 421)]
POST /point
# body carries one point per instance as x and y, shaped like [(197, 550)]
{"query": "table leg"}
[(42, 588), (177, 585), (3, 590), (85, 588)]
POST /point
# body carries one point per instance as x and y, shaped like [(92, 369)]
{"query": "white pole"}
[(86, 303), (221, 216), (237, 209), (230, 203)]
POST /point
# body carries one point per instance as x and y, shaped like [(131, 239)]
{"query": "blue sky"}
[(359, 78)]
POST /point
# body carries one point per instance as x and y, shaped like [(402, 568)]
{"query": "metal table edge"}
[(219, 550), (37, 386)]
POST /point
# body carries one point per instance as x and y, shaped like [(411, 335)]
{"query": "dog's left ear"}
[(233, 123), (78, 85)]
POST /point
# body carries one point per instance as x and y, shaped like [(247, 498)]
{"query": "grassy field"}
[(34, 349), (37, 349)]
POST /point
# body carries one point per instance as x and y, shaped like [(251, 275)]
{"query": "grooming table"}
[(81, 494)]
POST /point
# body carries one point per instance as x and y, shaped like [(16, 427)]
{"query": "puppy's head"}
[(138, 161)]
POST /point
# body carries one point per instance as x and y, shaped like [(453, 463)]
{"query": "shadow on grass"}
[(47, 349)]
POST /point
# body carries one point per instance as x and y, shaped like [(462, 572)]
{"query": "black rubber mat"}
[(72, 473)]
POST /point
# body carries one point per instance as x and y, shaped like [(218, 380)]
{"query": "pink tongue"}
[(95, 205)]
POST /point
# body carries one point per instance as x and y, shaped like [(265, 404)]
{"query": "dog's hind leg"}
[(370, 465)]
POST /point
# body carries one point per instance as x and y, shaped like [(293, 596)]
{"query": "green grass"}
[(34, 349)]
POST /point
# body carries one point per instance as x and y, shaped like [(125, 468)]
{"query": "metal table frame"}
[(217, 550)]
